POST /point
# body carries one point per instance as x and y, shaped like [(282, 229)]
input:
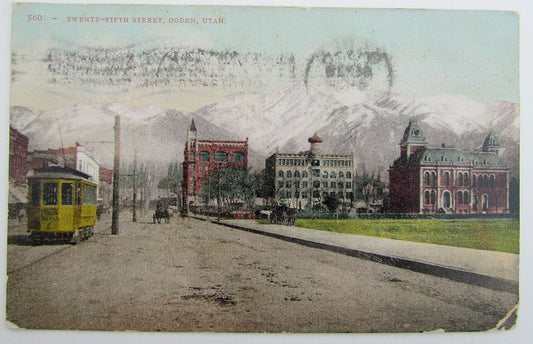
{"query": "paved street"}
[(192, 275)]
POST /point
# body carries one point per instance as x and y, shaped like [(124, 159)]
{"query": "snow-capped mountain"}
[(367, 124)]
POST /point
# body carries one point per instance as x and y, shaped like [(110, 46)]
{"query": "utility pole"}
[(134, 186), (116, 176)]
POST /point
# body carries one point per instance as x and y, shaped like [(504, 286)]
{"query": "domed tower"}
[(316, 144), (491, 144), (413, 139)]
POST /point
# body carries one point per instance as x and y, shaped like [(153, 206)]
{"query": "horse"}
[(161, 214)]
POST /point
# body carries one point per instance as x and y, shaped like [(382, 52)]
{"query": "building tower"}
[(316, 145), (491, 144), (413, 139)]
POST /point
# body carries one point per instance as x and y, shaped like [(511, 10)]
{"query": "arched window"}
[(333, 175), (316, 184), (281, 174), (426, 178), (446, 199), (485, 180), (459, 197), (426, 197), (447, 178), (288, 184), (466, 198), (460, 179), (205, 156), (485, 199), (304, 174), (289, 174), (341, 175), (221, 156), (325, 174), (349, 175), (474, 180), (297, 174), (492, 180), (465, 179), (238, 157), (433, 179), (433, 197)]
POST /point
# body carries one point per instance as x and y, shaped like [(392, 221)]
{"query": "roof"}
[(193, 126), (58, 172), (315, 139), (452, 157)]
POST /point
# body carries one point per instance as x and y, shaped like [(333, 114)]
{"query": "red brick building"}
[(202, 158), (448, 180), (18, 155)]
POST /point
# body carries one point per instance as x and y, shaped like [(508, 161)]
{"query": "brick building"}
[(305, 179), (446, 179), (18, 155), (202, 158)]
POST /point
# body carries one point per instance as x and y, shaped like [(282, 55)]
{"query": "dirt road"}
[(195, 276)]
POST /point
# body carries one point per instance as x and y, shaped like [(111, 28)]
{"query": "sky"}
[(474, 53)]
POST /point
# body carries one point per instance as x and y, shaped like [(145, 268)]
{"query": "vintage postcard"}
[(243, 169)]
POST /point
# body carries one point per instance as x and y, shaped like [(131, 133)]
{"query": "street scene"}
[(197, 169), (192, 275)]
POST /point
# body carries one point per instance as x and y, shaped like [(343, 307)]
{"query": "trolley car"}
[(61, 205)]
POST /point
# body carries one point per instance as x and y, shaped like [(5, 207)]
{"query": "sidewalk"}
[(495, 270)]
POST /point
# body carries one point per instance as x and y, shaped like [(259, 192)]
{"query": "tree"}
[(332, 203), (172, 179), (232, 186)]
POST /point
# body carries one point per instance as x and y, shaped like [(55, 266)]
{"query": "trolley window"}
[(49, 193), (66, 193), (89, 194), (35, 193)]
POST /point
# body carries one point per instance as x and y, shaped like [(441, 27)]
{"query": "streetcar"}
[(61, 205)]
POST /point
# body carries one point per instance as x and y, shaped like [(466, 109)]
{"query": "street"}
[(195, 276)]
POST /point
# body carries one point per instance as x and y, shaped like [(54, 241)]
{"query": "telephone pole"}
[(116, 176), (134, 186)]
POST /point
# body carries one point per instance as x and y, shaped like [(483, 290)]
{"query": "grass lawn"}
[(493, 235)]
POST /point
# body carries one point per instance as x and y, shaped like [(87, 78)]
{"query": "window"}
[(474, 180), (296, 194), (348, 185), (315, 163), (316, 173), (492, 180), (297, 174), (281, 174), (333, 175), (304, 174), (349, 175), (89, 194), (191, 157), (316, 194), (221, 156), (35, 193), (465, 179), (50, 193), (341, 194), (426, 197), (237, 157), (485, 200), (289, 194), (341, 175), (333, 185), (280, 185), (289, 174), (447, 178), (66, 193), (304, 185), (340, 185), (433, 179), (460, 179), (288, 184), (297, 184), (459, 197), (433, 197), (485, 180), (316, 184), (446, 199), (325, 185), (325, 174), (426, 178), (466, 198), (304, 194), (205, 156)]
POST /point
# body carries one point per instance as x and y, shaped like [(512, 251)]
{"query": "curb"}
[(454, 274)]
